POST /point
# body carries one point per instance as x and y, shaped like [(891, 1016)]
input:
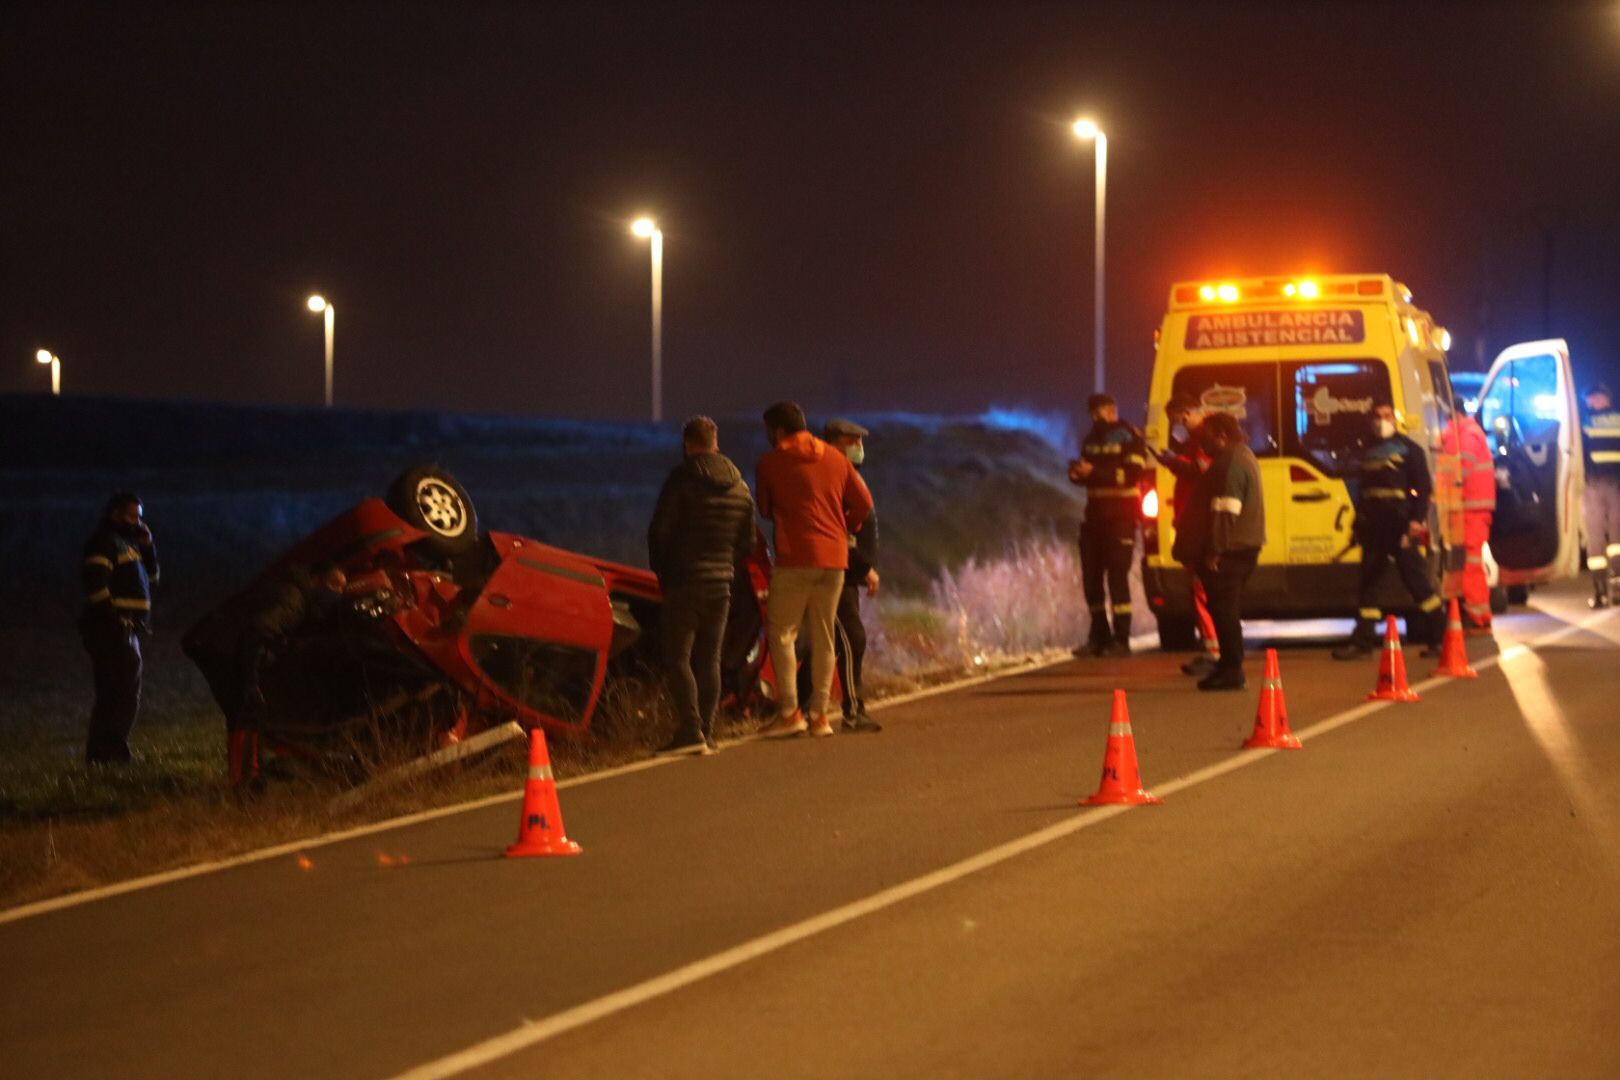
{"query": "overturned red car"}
[(442, 629)]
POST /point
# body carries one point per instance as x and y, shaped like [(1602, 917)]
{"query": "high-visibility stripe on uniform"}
[(98, 596), (1226, 504), (1612, 551), (1383, 493), (1113, 492), (98, 560), (1479, 504), (1606, 457), (1475, 560), (131, 605), (1122, 609), (1430, 604), (128, 555), (1369, 613), (1596, 562)]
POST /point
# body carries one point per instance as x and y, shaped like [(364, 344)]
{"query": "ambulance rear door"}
[(1528, 410), (1327, 405)]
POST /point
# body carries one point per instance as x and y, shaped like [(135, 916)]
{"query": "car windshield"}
[(1246, 391), (1331, 402), (555, 680)]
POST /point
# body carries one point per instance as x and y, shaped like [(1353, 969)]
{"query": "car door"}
[(1528, 410)]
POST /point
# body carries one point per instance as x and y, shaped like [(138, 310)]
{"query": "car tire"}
[(430, 499), (1177, 633), (1499, 599)]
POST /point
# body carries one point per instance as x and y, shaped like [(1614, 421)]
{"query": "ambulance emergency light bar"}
[(1198, 294)]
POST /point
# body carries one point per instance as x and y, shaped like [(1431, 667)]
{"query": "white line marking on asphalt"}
[(57, 903), (534, 1032)]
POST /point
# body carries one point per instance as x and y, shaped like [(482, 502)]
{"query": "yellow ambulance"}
[(1301, 362)]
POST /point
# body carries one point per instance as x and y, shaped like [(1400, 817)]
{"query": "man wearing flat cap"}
[(850, 638)]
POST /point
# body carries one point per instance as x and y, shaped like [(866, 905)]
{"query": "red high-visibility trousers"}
[(1476, 590)]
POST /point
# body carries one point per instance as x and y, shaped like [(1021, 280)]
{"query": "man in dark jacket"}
[(700, 536), (120, 570), (1392, 517), (235, 646), (1186, 459), (1112, 457), (850, 640), (1234, 501), (1600, 430)]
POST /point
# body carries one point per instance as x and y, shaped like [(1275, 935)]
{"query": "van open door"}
[(1528, 410)]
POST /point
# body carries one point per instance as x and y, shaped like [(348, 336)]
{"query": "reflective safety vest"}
[(1600, 432), (1477, 472)]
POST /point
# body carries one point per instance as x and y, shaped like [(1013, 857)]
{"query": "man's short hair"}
[(1097, 401), (1225, 426), (701, 433), (120, 499), (785, 416)]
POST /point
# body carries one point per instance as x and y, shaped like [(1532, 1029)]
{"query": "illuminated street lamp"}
[(1088, 131), (45, 356), (318, 303), (648, 229)]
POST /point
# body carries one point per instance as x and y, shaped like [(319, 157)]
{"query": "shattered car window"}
[(552, 679)]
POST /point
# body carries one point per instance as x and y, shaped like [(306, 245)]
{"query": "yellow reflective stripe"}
[(128, 555), (1369, 613), (1103, 448), (1596, 562), (98, 596), (1122, 609), (1479, 504), (1226, 504), (1135, 459), (1612, 551), (1606, 457), (98, 560), (1430, 604), (1114, 493), (1383, 493), (131, 605)]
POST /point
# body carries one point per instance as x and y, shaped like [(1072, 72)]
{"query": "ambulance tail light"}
[(1150, 504)]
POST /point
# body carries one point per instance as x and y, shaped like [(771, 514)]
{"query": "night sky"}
[(865, 207)]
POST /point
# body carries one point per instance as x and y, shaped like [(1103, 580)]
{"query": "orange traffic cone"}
[(1392, 669), (1271, 718), (1121, 779), (1453, 651), (540, 831)]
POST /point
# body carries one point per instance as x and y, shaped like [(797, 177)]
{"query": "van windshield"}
[(1332, 404), (1315, 410), (1247, 391)]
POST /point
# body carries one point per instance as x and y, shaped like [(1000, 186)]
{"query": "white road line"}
[(534, 1032), (293, 847)]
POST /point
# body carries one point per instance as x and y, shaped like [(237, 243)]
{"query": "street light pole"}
[(318, 303), (1088, 130), (647, 229), (45, 356)]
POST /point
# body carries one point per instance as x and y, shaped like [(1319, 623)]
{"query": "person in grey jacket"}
[(699, 538), (1235, 503)]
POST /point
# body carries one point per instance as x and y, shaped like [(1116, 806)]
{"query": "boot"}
[(1600, 590)]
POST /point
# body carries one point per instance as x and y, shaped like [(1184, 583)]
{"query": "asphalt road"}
[(1425, 890)]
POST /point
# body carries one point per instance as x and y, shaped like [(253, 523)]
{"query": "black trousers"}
[(692, 626), (849, 644), (1381, 544), (115, 662), (1224, 588), (1107, 543)]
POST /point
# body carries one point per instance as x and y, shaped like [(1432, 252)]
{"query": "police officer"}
[(1600, 426), (120, 570), (1112, 457), (1392, 513)]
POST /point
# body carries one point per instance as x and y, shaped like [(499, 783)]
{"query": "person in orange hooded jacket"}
[(1477, 472)]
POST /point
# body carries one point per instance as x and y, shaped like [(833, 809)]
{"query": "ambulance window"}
[(1442, 392), (1247, 391), (1522, 403), (1331, 404)]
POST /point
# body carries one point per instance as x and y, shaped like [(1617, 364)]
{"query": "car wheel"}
[(430, 499), (1518, 594), (1177, 633)]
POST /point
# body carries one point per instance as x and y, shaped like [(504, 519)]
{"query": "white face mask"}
[(855, 453), (1386, 429)]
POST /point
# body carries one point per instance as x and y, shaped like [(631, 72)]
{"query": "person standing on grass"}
[(698, 542), (1111, 460), (120, 570), (1234, 503), (816, 500), (850, 640)]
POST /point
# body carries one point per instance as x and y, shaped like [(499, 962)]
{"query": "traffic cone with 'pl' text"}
[(1453, 650), (1271, 730), (1121, 778), (1392, 669), (540, 831)]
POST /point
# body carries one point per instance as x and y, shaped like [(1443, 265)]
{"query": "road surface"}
[(1427, 890)]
